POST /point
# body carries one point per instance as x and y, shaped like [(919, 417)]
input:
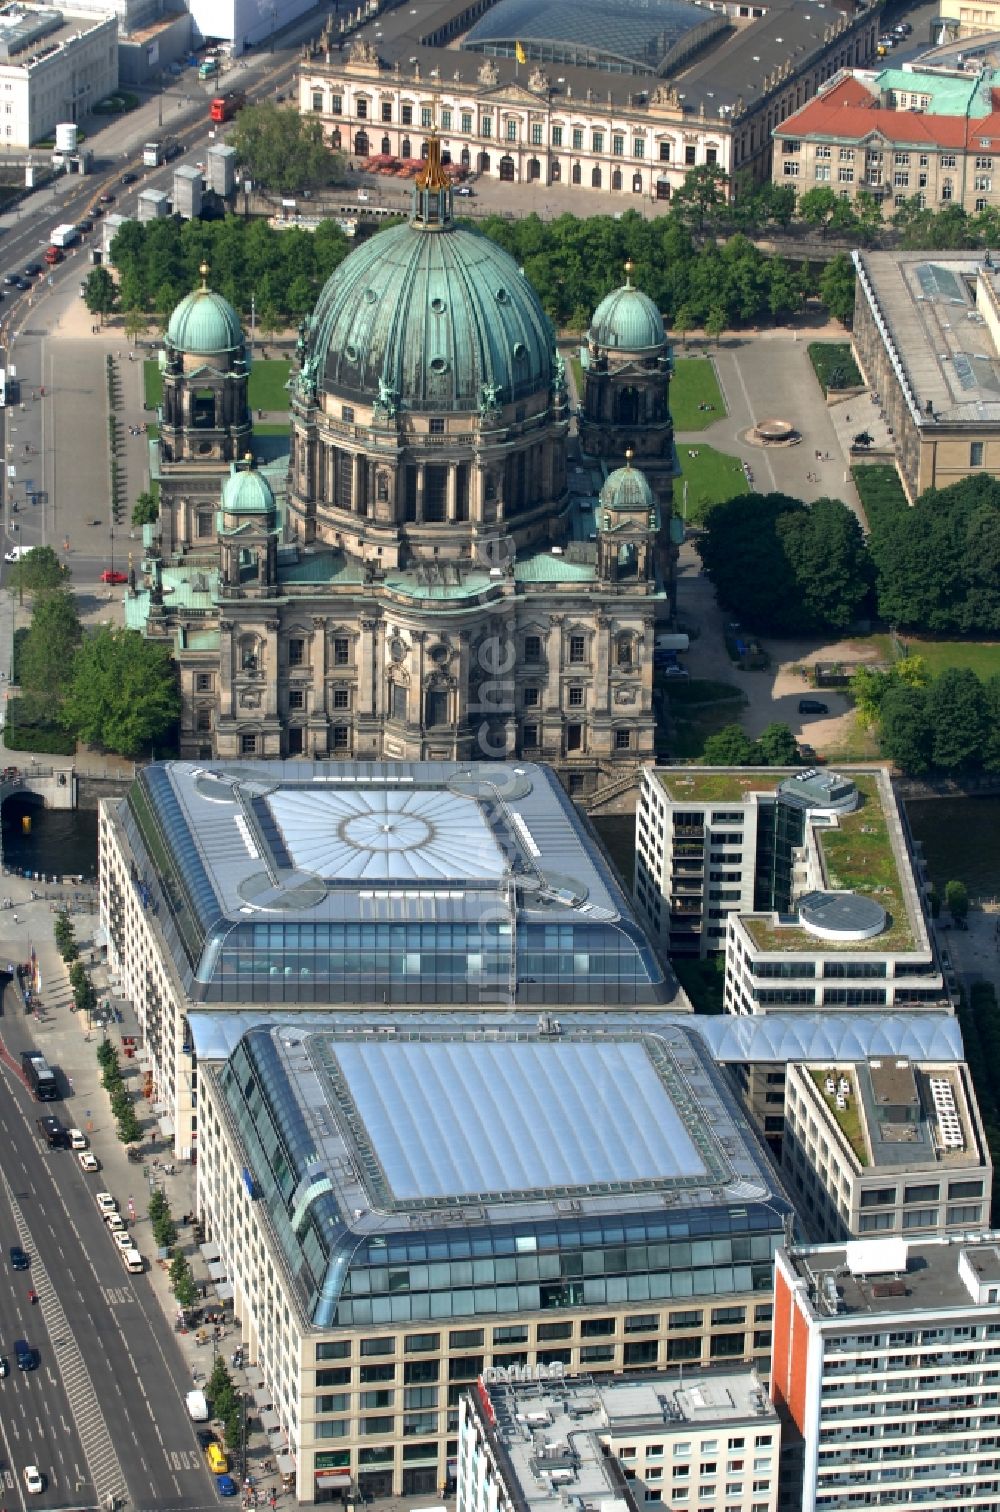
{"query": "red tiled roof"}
[(849, 112)]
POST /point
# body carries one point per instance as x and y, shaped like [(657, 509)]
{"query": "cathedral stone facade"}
[(411, 575)]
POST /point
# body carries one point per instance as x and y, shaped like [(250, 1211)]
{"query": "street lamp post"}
[(274, 17)]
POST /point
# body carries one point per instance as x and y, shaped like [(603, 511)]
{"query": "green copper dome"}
[(204, 323), (247, 492), (430, 317), (627, 320), (626, 489)]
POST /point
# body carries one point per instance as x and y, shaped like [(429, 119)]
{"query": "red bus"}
[(224, 107)]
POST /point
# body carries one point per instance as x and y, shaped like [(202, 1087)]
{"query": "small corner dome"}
[(625, 489), (627, 320), (204, 324), (247, 492)]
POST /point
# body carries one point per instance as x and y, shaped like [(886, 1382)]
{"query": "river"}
[(61, 842)]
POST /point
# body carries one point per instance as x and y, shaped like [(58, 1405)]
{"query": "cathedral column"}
[(319, 665), (553, 659), (227, 670), (421, 474), (451, 498), (419, 639), (357, 464), (367, 659), (601, 686), (273, 670)]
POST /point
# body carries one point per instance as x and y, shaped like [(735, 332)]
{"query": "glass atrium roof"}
[(387, 835), (436, 1115), (367, 882)]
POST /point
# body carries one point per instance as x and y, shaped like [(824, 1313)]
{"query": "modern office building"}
[(402, 1208), (798, 874), (415, 573), (885, 1369), (898, 135), (54, 67), (290, 885), (927, 339), (609, 96), (884, 1146), (701, 1439)]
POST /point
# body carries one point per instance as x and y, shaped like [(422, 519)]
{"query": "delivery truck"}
[(64, 236)]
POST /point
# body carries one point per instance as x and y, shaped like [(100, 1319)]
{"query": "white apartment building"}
[(401, 1207), (886, 1372), (54, 67), (704, 1440), (885, 1146)]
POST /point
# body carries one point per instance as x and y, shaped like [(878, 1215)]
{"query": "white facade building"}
[(887, 1360), (885, 1146), (702, 1440), (54, 67), (243, 23)]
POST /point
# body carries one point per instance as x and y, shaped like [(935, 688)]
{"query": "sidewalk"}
[(62, 1035)]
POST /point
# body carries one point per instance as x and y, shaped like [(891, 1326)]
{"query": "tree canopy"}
[(123, 693), (938, 562), (786, 567), (280, 149), (99, 292), (38, 569), (51, 642), (732, 746)]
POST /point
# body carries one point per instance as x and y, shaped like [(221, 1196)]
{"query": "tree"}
[(65, 938), (182, 1281), (164, 1231), (869, 685), (939, 562), (146, 509), (158, 1205), (826, 551), (817, 206), (906, 731), (99, 293), (684, 321), (957, 710), (956, 897), (220, 1380), (702, 196), (776, 746), (134, 322), (280, 149), (836, 287), (747, 563), (129, 1127), (39, 569), (122, 693), (730, 746), (51, 642), (715, 324)]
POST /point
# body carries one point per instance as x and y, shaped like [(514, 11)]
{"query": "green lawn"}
[(711, 478), (694, 382), (834, 365), (982, 656), (267, 384)]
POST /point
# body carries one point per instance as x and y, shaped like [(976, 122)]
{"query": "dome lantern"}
[(627, 320)]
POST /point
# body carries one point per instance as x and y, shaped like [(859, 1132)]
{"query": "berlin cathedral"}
[(441, 560)]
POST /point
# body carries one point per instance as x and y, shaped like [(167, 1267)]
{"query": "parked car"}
[(112, 575), (812, 706), (88, 1161), (105, 1202), (225, 1485)]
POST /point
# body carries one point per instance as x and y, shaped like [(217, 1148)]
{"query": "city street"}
[(103, 1415)]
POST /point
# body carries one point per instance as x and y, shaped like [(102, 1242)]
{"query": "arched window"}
[(405, 148), (555, 173), (576, 174), (483, 163), (662, 189), (336, 140), (361, 144), (625, 652), (466, 158), (386, 147), (534, 170), (595, 178), (616, 179), (637, 183), (507, 168), (250, 654), (424, 149)]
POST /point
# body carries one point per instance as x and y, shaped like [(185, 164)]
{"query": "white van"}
[(77, 1139)]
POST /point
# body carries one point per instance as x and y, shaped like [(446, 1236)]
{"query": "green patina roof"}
[(543, 567), (438, 319), (949, 96), (471, 586), (320, 567), (200, 640), (247, 491), (204, 324), (627, 320), (627, 489)]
